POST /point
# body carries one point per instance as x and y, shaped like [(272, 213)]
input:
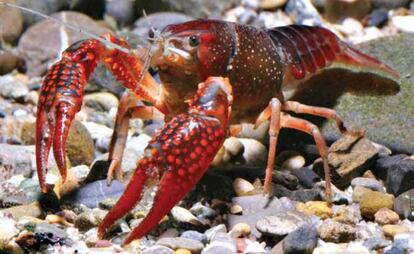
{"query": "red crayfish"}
[(260, 68)]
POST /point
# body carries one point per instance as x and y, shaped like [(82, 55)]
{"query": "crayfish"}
[(214, 76)]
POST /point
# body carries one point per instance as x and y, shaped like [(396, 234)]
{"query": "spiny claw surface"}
[(179, 154)]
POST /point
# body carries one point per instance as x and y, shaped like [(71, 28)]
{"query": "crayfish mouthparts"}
[(180, 154)]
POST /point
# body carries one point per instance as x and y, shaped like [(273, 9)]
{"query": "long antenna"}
[(70, 26)]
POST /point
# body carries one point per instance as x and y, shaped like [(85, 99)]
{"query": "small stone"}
[(236, 209), (301, 241), (233, 146), (366, 230), (337, 232), (330, 248), (294, 162), (202, 211), (395, 4), (182, 251), (347, 214), (158, 249), (386, 216), (338, 9), (367, 183), (305, 195), (358, 193), (394, 250), (33, 209), (317, 208), (271, 4), (255, 153), (194, 235), (399, 176), (348, 157), (307, 177), (303, 12), (255, 248), (392, 230), (372, 201), (181, 243), (182, 215), (225, 240), (383, 164), (281, 224), (7, 229), (402, 204), (378, 17), (86, 221), (56, 219), (211, 232), (12, 88), (240, 230), (286, 179), (102, 101), (376, 243), (357, 247), (403, 23), (243, 187)]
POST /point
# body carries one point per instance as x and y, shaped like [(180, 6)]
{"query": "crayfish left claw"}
[(180, 154)]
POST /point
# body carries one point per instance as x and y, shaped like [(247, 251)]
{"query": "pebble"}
[(12, 88), (403, 23), (86, 221), (285, 178), (255, 248), (271, 4), (303, 12), (392, 230), (158, 249), (376, 243), (399, 176), (402, 204), (240, 230), (182, 251), (183, 215), (224, 240), (330, 248), (372, 201), (368, 183), (181, 243), (302, 240), (294, 162), (236, 209), (102, 101), (281, 224), (386, 216), (202, 211), (383, 164), (366, 230), (7, 229), (255, 153), (194, 235), (337, 232), (211, 232), (243, 187), (317, 208), (347, 214)]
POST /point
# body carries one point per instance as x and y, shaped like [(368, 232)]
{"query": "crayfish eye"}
[(193, 40)]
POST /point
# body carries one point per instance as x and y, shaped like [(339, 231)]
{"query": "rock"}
[(255, 248), (392, 230), (378, 17), (305, 195), (356, 247), (383, 165), (240, 230), (307, 177), (9, 61), (339, 9), (181, 243), (338, 196), (200, 9), (348, 158), (381, 117), (224, 240), (102, 101), (399, 175), (358, 193), (158, 249), (211, 232), (281, 224), (303, 12), (45, 7), (182, 251), (202, 211), (80, 148), (386, 216), (33, 209), (376, 243), (54, 38), (17, 159), (92, 193), (317, 208), (122, 11), (243, 187), (337, 232), (13, 88), (86, 221), (389, 4), (347, 214), (50, 229), (394, 250), (255, 153), (286, 179), (372, 201), (12, 22), (367, 230), (236, 209), (194, 235), (7, 229), (367, 183), (402, 204), (294, 162), (301, 241), (184, 216), (329, 248), (271, 4), (11, 195)]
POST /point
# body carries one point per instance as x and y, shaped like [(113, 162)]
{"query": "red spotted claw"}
[(179, 155)]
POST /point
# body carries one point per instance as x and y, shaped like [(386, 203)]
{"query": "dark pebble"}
[(301, 241), (307, 177), (194, 235), (399, 178), (383, 164), (378, 17), (394, 250)]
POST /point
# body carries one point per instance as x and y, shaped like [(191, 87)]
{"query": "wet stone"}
[(399, 177), (281, 224), (301, 241), (367, 183), (181, 243)]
